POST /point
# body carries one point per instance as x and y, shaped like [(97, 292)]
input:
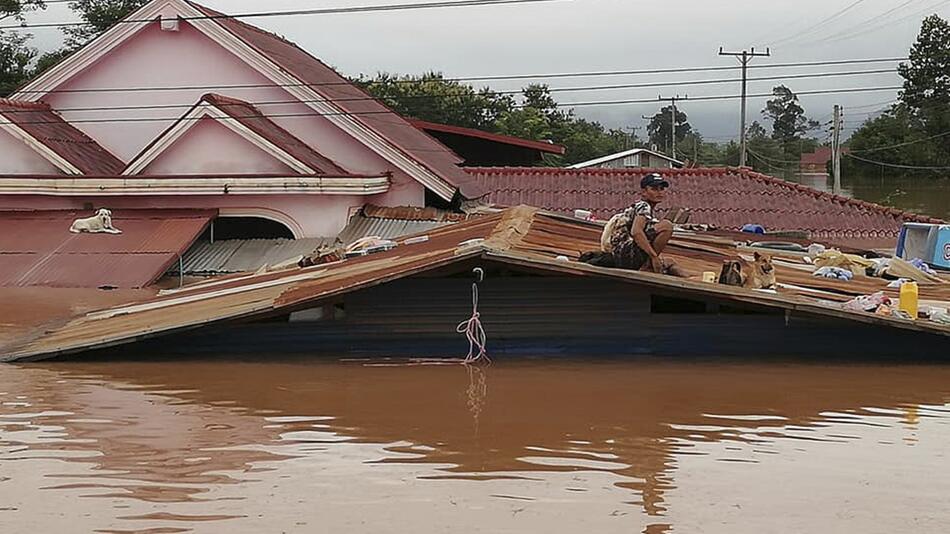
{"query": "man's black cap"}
[(653, 180)]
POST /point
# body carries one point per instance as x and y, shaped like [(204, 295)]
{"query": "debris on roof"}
[(519, 237), (728, 198), (244, 255), (393, 222)]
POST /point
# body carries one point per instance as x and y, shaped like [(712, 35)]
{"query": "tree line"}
[(919, 123)]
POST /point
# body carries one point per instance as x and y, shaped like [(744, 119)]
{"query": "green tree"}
[(926, 92), (660, 128), (527, 123), (16, 8), (15, 52), (98, 16), (15, 59), (789, 123), (895, 137), (433, 98)]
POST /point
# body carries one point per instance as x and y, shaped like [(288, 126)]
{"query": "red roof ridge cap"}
[(33, 106), (215, 98)]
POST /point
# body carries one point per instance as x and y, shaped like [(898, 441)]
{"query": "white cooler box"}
[(929, 242)]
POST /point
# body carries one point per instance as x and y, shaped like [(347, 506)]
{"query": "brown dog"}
[(760, 274)]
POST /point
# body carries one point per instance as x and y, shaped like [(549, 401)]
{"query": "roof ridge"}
[(41, 106)]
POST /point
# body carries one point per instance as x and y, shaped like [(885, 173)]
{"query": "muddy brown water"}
[(528, 446), (924, 195)]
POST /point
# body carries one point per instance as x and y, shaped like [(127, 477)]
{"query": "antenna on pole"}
[(744, 58)]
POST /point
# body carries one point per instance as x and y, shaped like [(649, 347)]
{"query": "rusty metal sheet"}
[(150, 241), (97, 270)]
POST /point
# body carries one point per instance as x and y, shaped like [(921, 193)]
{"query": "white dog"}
[(101, 223)]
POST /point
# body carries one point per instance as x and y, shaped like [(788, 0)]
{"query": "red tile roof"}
[(549, 148), (46, 126), (821, 156), (352, 100), (726, 197), (37, 248)]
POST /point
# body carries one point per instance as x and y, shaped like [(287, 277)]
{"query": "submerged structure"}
[(536, 299)]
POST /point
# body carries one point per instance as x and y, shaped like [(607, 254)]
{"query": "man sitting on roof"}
[(636, 238)]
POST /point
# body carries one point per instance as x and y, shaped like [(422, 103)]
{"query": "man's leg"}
[(664, 231)]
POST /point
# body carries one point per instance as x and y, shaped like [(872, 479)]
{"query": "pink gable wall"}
[(209, 147), (188, 58), (18, 158)]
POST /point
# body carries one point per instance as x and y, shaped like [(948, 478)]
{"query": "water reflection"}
[(560, 447)]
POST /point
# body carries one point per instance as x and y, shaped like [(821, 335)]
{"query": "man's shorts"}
[(630, 256)]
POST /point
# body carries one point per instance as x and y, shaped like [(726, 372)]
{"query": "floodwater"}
[(529, 446), (927, 196)]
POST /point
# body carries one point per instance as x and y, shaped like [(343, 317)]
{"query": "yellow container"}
[(908, 303), (709, 277)]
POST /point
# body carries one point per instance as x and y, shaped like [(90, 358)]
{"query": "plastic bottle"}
[(909, 294)]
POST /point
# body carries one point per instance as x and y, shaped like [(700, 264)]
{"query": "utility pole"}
[(673, 100), (836, 151), (632, 130), (744, 58)]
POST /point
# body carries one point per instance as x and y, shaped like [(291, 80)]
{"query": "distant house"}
[(631, 159), (484, 149), (817, 162)]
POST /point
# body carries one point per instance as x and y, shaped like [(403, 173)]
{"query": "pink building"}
[(194, 111)]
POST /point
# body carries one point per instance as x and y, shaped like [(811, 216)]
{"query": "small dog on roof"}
[(100, 223)]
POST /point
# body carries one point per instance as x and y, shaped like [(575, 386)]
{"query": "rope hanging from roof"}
[(472, 328)]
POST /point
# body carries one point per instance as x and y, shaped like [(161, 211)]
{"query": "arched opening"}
[(225, 228)]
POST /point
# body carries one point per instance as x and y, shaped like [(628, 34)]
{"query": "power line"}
[(862, 26), (887, 24), (450, 97), (908, 143), (896, 165), (709, 98), (558, 75), (300, 12), (819, 25)]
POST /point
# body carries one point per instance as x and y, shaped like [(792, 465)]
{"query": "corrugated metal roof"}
[(361, 226), (244, 255), (519, 236), (47, 127), (37, 248)]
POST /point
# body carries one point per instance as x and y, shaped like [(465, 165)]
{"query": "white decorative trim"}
[(620, 155), (112, 38), (87, 55), (198, 185), (193, 117), (41, 149)]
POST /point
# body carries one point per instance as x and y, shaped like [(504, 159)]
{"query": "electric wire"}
[(301, 12), (487, 78), (896, 165), (708, 98), (449, 97)]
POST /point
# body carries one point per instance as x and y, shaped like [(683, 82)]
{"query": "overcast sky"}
[(609, 35)]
